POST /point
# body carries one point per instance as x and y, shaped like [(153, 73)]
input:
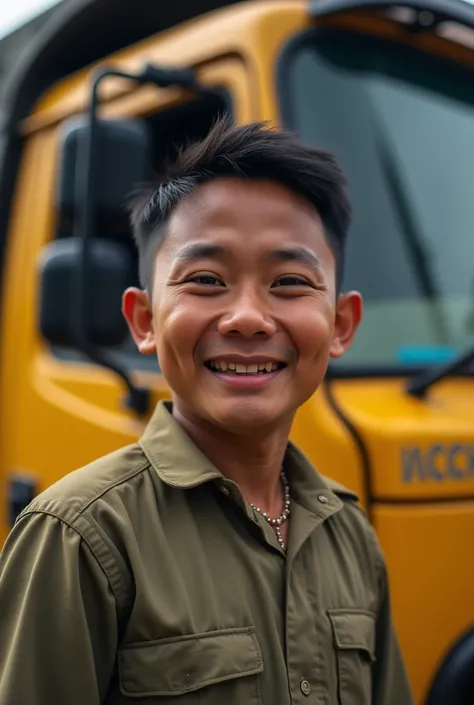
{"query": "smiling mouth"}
[(233, 368)]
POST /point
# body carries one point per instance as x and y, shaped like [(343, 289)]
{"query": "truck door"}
[(58, 410)]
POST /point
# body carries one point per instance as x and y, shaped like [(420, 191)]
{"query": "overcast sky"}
[(19, 11)]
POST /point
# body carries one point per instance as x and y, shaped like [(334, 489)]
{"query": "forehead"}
[(246, 214)]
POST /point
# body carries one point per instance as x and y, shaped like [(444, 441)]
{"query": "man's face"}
[(243, 313)]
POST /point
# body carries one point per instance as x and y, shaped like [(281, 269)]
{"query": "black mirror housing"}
[(111, 269), (123, 161)]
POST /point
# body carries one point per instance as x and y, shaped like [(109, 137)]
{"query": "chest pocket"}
[(214, 668), (354, 642)]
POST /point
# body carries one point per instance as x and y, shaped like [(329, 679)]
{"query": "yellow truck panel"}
[(410, 458)]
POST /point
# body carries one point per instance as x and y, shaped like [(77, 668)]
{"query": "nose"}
[(247, 317)]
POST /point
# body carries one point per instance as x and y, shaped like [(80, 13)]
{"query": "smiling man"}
[(210, 562)]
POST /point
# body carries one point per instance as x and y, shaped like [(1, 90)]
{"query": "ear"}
[(348, 316), (137, 312)]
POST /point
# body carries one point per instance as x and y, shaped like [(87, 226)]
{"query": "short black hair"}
[(252, 151)]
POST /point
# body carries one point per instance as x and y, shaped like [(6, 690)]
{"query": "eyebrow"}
[(196, 251), (296, 254), (199, 250)]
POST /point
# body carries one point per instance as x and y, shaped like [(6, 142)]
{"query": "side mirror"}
[(123, 161), (123, 150), (111, 269), (85, 271)]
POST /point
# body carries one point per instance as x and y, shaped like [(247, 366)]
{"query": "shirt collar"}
[(172, 453), (179, 463), (316, 493)]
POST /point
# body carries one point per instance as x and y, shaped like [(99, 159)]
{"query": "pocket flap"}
[(354, 629), (182, 664)]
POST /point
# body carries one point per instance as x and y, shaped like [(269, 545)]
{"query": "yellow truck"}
[(106, 91)]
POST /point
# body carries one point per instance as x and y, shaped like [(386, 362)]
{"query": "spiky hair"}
[(253, 151)]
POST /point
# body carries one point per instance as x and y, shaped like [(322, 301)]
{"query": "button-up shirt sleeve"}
[(390, 679), (58, 622)]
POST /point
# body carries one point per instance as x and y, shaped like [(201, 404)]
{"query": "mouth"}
[(254, 369)]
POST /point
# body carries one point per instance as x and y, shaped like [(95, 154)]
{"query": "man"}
[(210, 563)]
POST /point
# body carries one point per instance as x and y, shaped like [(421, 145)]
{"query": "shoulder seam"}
[(40, 505), (99, 549), (116, 483)]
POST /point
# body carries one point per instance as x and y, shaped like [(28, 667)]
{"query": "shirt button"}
[(322, 498), (225, 490), (305, 687)]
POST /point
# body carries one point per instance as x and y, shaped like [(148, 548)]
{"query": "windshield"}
[(402, 126)]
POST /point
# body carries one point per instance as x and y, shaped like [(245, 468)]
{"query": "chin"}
[(248, 416)]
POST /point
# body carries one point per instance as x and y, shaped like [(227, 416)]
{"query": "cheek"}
[(178, 329), (311, 328)]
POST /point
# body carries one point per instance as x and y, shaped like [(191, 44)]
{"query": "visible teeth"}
[(262, 367)]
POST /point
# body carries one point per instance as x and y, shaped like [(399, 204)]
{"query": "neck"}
[(254, 462)]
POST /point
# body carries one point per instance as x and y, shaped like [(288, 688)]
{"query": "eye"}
[(291, 280), (206, 280)]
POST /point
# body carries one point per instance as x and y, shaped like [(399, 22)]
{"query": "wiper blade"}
[(418, 387), (409, 229)]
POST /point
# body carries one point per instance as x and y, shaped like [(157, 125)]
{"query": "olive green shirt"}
[(146, 578)]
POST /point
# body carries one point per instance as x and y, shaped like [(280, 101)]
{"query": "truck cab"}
[(102, 99)]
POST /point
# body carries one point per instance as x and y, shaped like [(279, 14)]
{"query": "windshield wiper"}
[(409, 228), (418, 387)]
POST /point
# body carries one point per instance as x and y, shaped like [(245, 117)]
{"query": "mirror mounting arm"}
[(138, 397)]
